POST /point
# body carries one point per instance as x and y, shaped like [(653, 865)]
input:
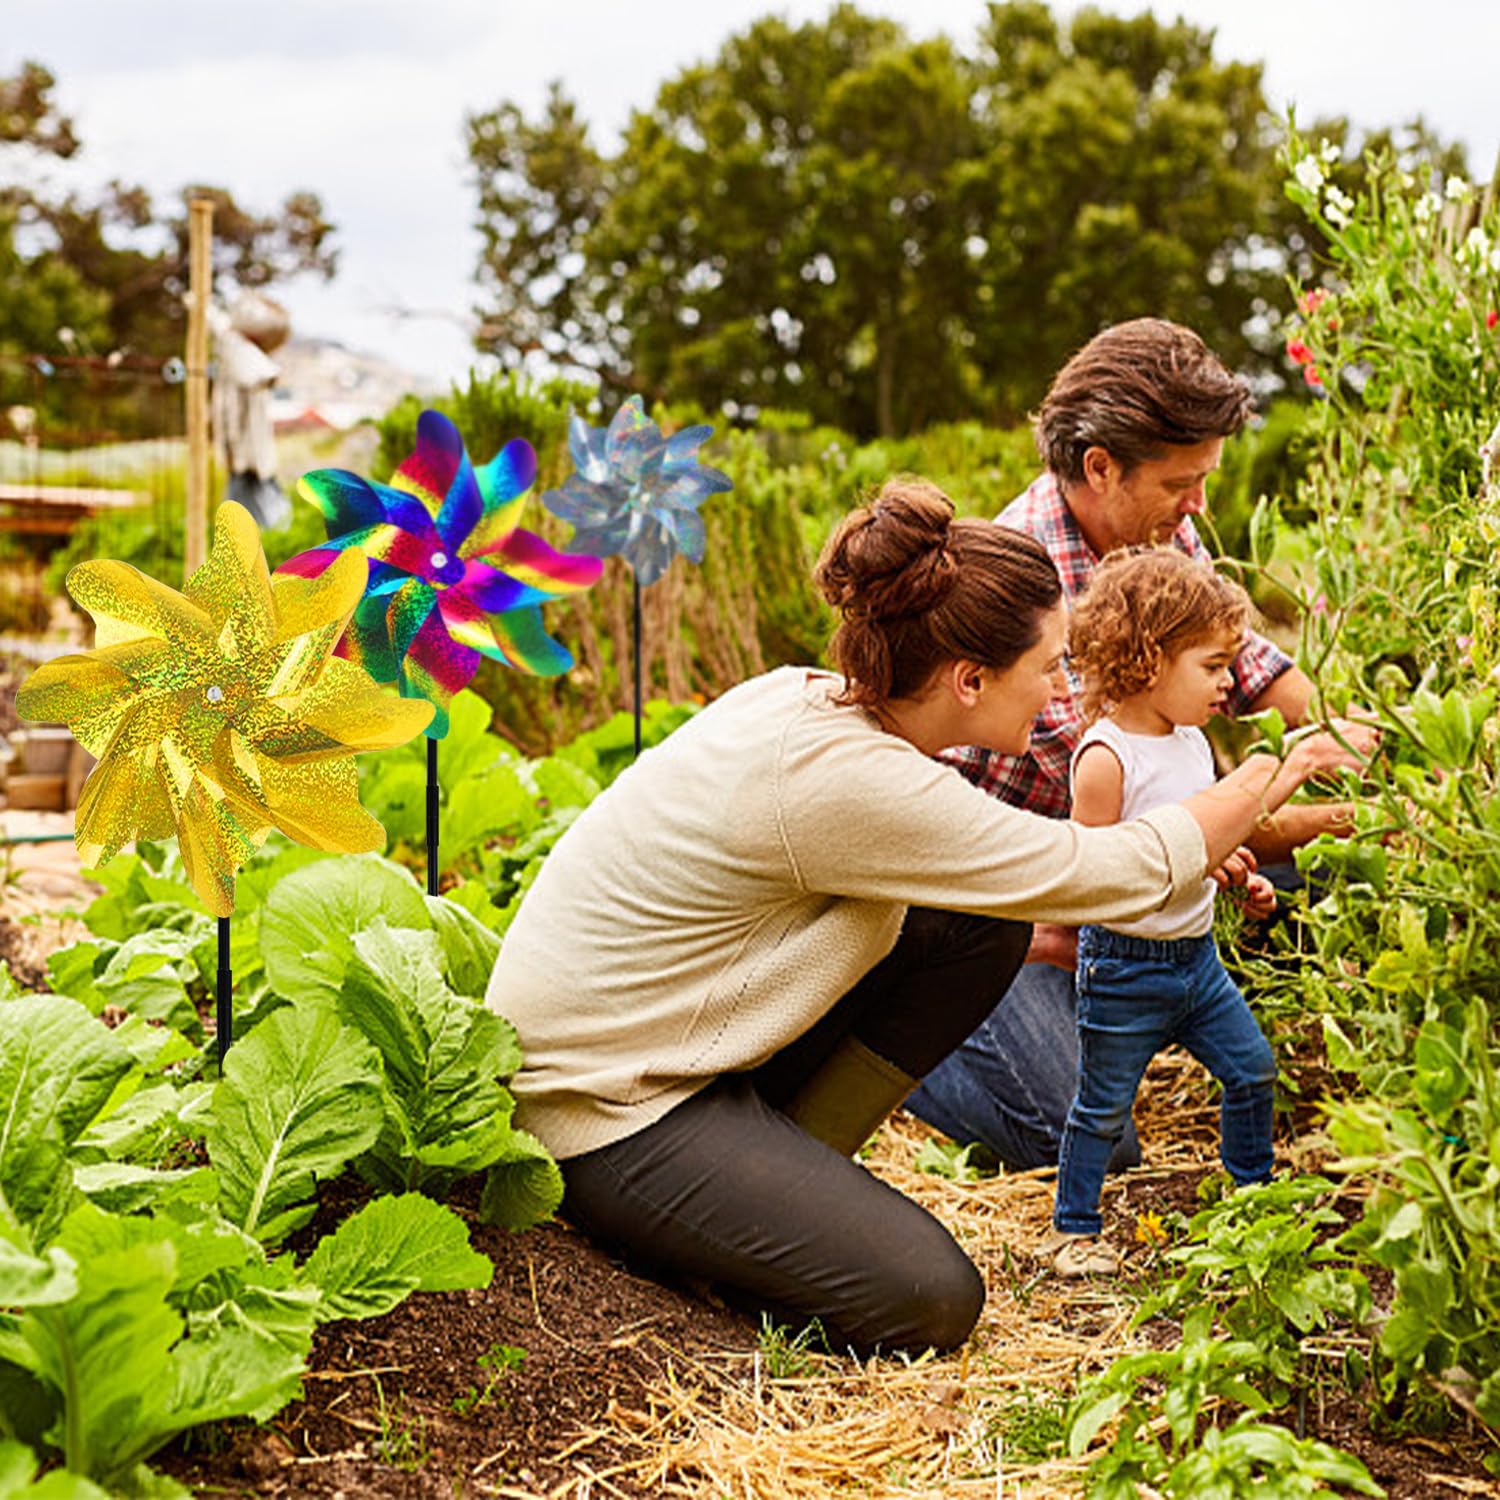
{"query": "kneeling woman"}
[(743, 955)]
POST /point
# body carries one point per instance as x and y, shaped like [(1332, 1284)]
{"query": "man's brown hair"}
[(1136, 390)]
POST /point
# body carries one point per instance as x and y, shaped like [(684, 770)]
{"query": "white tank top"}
[(1160, 768)]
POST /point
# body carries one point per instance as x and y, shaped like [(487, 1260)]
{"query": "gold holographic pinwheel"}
[(220, 713)]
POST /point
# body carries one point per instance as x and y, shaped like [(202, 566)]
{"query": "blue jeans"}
[(1008, 1086), (1135, 996)]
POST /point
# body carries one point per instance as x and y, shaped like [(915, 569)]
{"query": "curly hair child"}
[(1153, 638)]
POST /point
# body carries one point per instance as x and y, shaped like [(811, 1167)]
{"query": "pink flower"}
[(1311, 376), (1310, 301), (1491, 318), (1320, 605), (1298, 352)]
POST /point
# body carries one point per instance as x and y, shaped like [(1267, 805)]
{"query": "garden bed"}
[(635, 1389)]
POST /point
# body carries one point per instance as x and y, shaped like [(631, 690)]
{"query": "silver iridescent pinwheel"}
[(636, 493)]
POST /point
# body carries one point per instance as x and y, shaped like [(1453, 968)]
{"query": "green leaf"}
[(444, 1056), (227, 1372), (28, 1280), (396, 794), (106, 1350), (474, 897), (123, 1188), (1090, 1415), (310, 918), (299, 1098), (143, 1126), (257, 879), (524, 1187), (115, 1353), (561, 783), (484, 807), (1272, 729), (469, 947), (58, 1067), (18, 1466), (389, 1249), (73, 971), (1442, 1076), (468, 749)]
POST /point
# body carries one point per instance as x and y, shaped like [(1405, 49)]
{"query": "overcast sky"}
[(362, 101)]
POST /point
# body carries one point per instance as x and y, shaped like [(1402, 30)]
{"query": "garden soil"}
[(630, 1388), (602, 1383)]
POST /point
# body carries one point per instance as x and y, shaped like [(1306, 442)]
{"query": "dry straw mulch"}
[(975, 1423)]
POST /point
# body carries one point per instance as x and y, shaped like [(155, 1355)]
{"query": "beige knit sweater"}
[(742, 876)]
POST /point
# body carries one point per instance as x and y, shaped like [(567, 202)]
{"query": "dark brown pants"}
[(725, 1188)]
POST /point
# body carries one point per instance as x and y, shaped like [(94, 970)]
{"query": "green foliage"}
[(389, 1249), (446, 1112), (300, 1097), (790, 1356), (497, 1362), (820, 209), (957, 1163), (311, 917), (1186, 1456), (57, 1070), (141, 1296), (91, 275)]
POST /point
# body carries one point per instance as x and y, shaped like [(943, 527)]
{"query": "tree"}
[(888, 232), (1129, 167), (541, 190), (108, 273)]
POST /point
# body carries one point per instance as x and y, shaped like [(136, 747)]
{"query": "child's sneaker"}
[(1076, 1255)]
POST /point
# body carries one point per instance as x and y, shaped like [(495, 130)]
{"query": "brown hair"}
[(1142, 607), (1136, 390), (918, 588)]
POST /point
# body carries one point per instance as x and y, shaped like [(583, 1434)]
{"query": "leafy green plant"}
[(969, 1163), (786, 1355), (1260, 1257), (1186, 1455), (1032, 1426), (495, 1364), (403, 1434)]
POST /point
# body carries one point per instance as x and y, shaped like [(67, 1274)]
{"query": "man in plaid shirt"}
[(1130, 431)]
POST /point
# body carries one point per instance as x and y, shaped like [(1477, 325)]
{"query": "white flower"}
[(1309, 173), (1425, 206), (1337, 207), (1477, 245), (1495, 258), (1330, 153), (1456, 190), (1405, 179)]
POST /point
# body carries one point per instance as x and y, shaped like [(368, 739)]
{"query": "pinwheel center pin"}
[(215, 693)]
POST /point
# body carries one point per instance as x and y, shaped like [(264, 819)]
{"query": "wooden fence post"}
[(200, 285)]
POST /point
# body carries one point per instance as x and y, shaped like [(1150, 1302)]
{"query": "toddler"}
[(1153, 638)]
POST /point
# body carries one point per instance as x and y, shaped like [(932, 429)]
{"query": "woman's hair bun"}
[(891, 557)]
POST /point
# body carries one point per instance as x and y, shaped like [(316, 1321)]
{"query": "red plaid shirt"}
[(1038, 780)]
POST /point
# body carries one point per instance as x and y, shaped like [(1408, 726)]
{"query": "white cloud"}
[(362, 101)]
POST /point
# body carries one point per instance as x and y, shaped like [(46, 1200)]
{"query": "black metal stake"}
[(432, 817), (636, 623), (224, 996)]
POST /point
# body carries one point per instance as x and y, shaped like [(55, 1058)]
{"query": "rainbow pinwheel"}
[(220, 713), (635, 492), (451, 578)]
